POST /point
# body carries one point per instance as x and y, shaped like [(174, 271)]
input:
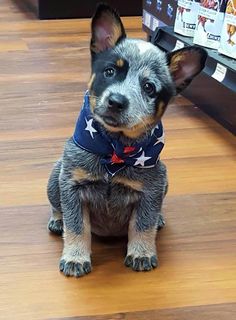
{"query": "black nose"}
[(117, 102)]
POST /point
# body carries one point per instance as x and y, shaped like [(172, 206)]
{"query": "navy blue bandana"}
[(115, 156)]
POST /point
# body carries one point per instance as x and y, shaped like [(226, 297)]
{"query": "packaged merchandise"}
[(210, 20), (185, 21), (228, 35)]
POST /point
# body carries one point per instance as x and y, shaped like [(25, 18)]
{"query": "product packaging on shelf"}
[(186, 15), (210, 20), (228, 35)]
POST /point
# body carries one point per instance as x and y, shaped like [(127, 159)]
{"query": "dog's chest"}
[(110, 205)]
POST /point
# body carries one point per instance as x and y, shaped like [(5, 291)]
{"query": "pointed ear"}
[(107, 29), (185, 64)]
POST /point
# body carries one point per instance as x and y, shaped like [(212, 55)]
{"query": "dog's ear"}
[(107, 29), (185, 64)]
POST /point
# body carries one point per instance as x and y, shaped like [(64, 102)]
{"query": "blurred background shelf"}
[(62, 9), (214, 90)]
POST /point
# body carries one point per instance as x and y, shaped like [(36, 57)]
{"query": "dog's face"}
[(132, 80)]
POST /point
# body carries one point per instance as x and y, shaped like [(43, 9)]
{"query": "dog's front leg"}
[(76, 256), (141, 252)]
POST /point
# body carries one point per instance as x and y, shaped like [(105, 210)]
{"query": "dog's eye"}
[(109, 72), (149, 88)]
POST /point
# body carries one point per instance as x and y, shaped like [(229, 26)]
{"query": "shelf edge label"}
[(179, 45), (147, 19), (220, 72)]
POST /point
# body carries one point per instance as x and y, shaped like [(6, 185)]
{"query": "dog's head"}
[(132, 80)]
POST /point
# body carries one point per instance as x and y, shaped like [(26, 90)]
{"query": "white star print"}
[(160, 139), (141, 160), (90, 127)]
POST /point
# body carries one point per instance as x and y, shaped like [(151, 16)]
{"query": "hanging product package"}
[(228, 35), (209, 23), (186, 15)]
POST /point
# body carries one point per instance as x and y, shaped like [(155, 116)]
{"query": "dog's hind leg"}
[(161, 221), (55, 223)]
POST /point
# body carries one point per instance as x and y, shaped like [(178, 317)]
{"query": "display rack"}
[(54, 9), (214, 90)]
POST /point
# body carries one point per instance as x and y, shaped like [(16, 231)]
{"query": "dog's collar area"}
[(114, 155)]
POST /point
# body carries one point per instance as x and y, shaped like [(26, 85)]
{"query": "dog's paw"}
[(55, 226), (161, 222), (141, 263), (76, 269)]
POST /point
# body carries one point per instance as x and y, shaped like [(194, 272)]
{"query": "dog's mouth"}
[(111, 121), (108, 120), (112, 124)]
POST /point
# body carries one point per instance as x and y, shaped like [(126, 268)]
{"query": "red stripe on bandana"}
[(116, 159), (129, 149)]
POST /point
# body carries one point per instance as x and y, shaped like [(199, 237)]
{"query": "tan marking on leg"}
[(91, 81), (136, 185), (77, 247), (120, 63), (141, 243), (80, 174)]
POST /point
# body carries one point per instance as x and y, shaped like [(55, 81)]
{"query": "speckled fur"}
[(90, 200)]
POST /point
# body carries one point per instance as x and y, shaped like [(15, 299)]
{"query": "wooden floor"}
[(44, 67)]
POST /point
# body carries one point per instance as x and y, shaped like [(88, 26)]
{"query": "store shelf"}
[(214, 90), (52, 9)]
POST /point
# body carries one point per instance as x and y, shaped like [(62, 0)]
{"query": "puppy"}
[(110, 180)]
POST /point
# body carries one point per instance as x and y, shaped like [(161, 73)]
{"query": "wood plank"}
[(41, 90), (19, 45), (29, 27), (212, 312), (30, 175), (197, 264)]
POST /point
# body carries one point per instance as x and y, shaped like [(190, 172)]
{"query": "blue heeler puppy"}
[(110, 180)]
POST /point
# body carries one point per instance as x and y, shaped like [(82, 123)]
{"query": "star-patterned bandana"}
[(115, 156)]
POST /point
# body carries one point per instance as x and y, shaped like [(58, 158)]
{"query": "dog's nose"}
[(117, 102)]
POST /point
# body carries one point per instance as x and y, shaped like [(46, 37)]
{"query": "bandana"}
[(114, 155)]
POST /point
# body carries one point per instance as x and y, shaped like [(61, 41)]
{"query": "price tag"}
[(146, 19), (155, 24), (220, 72), (179, 45)]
